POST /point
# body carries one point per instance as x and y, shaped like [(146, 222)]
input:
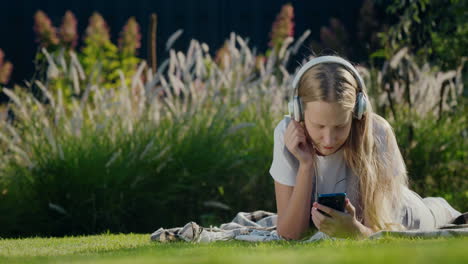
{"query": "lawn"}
[(137, 248)]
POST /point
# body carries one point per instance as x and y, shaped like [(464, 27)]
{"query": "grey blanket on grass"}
[(260, 226)]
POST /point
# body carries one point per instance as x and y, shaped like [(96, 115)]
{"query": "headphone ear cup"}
[(364, 105), (361, 106), (296, 109), (301, 109), (291, 108), (298, 114)]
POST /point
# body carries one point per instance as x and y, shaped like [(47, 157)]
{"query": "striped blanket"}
[(261, 226)]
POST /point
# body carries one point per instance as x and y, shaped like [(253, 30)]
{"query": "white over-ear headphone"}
[(295, 105)]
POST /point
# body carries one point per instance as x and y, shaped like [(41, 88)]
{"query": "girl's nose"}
[(328, 138)]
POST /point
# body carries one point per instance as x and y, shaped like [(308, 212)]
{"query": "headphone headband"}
[(327, 59), (295, 103)]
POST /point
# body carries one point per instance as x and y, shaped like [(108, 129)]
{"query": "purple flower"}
[(130, 37), (46, 34), (283, 27), (68, 31)]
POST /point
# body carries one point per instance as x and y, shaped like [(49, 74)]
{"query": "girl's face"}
[(328, 125)]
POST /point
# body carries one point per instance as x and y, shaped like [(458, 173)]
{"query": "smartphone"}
[(332, 200)]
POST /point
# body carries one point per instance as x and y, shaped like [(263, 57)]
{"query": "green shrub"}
[(192, 143), (436, 153)]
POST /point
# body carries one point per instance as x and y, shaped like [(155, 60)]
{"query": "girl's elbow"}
[(288, 235)]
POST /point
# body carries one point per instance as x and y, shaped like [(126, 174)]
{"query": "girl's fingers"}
[(298, 140), (290, 130), (315, 220), (294, 133), (298, 132), (297, 127), (320, 216), (350, 208)]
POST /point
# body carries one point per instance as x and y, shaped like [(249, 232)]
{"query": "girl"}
[(335, 143)]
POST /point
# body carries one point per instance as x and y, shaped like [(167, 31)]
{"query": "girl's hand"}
[(340, 224), (297, 141)]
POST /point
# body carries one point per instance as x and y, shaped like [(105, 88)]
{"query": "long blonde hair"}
[(375, 160)]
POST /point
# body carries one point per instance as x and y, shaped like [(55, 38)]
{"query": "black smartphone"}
[(332, 200)]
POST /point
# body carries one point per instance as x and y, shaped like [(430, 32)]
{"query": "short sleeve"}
[(284, 166)]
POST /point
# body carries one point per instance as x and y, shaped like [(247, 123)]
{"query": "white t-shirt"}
[(332, 170)]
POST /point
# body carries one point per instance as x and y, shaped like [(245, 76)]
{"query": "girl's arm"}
[(293, 204)]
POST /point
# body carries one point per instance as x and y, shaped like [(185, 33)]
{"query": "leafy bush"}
[(195, 137), (436, 153), (435, 31)]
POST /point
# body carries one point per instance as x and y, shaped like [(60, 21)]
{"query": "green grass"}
[(138, 249)]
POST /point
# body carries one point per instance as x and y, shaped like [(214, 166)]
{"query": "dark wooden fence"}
[(209, 21)]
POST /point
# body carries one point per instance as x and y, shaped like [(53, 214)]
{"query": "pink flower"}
[(97, 30), (46, 34), (68, 31), (6, 68), (283, 27), (130, 37), (5, 71), (2, 56)]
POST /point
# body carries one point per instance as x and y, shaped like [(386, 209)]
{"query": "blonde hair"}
[(376, 160)]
